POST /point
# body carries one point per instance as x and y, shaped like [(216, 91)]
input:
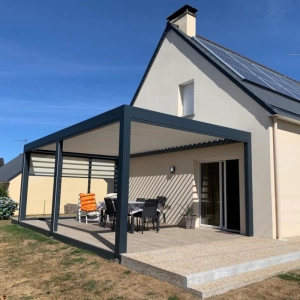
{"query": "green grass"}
[(64, 277), (173, 298), (79, 251), (290, 277), (22, 234), (89, 285), (72, 261)]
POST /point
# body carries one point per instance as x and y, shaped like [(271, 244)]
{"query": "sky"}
[(64, 61)]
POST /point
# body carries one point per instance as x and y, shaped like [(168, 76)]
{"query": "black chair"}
[(149, 212), (110, 211), (140, 199), (162, 202)]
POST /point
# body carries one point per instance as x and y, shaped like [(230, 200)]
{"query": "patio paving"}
[(169, 236)]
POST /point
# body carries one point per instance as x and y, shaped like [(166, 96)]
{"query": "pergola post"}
[(123, 183), (248, 188), (24, 186), (56, 186)]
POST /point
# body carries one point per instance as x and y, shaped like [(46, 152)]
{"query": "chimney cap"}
[(186, 8)]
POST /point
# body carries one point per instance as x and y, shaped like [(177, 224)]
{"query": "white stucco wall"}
[(150, 177), (217, 101), (288, 174)]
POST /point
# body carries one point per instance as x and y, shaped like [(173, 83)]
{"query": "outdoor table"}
[(133, 208)]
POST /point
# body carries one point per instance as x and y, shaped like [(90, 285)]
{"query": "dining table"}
[(134, 207)]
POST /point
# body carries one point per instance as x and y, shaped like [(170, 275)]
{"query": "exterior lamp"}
[(172, 169)]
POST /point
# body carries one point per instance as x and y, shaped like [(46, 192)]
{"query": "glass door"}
[(210, 194)]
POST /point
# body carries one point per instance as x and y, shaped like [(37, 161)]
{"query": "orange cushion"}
[(87, 194), (90, 207), (87, 198), (88, 202)]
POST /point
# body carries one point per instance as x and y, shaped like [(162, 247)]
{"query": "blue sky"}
[(63, 61)]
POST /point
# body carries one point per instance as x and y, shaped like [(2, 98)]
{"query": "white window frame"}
[(181, 91)]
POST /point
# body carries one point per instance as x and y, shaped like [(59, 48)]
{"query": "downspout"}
[(276, 177)]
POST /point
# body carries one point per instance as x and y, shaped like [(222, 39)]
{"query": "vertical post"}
[(248, 188), (24, 186), (123, 183), (56, 186), (89, 176)]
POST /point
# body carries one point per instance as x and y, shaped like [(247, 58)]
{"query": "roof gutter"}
[(287, 119)]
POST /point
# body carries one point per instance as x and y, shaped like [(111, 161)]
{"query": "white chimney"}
[(185, 19)]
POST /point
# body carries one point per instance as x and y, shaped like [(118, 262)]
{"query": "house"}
[(10, 176), (75, 173), (206, 128), (192, 77)]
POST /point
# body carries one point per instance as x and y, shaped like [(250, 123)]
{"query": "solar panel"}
[(253, 72)]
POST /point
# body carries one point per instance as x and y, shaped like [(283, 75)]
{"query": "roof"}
[(1, 162), (12, 169), (272, 100)]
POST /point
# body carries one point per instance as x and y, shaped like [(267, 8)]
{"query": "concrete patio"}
[(204, 261), (169, 236)]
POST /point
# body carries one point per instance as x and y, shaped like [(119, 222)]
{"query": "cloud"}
[(277, 10)]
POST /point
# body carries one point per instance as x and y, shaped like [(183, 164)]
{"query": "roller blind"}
[(188, 99), (43, 165)]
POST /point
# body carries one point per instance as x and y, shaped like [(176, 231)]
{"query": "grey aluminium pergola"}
[(125, 116)]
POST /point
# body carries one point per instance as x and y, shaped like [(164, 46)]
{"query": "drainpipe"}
[(276, 176)]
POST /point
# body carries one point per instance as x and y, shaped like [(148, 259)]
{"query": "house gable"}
[(217, 100)]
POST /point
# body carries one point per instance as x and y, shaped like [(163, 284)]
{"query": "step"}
[(226, 284), (228, 271)]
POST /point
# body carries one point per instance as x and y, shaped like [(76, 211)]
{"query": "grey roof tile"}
[(12, 169)]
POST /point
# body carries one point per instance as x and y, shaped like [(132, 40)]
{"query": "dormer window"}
[(187, 99)]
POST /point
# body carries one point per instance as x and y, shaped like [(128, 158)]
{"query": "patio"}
[(103, 239)]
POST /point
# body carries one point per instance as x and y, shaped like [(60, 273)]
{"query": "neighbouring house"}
[(10, 176), (206, 128), (79, 175)]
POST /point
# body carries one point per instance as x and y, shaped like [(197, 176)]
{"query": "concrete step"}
[(220, 286), (228, 271)]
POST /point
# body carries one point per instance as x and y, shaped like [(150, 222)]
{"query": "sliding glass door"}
[(210, 194), (220, 195)]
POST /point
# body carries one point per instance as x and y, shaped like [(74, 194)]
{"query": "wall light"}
[(172, 169)]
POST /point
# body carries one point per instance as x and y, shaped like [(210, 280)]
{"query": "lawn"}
[(35, 267)]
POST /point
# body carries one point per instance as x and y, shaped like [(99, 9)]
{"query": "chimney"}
[(185, 19)]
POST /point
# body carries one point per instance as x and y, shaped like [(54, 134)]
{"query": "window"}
[(187, 97)]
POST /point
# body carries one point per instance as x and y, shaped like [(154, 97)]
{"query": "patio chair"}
[(110, 211), (149, 212), (140, 199), (162, 202), (87, 207)]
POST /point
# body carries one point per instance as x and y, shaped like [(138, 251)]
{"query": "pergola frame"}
[(125, 115)]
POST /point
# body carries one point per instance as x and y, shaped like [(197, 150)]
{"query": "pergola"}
[(124, 132)]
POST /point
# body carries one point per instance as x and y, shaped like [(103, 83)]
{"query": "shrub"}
[(7, 207), (3, 191)]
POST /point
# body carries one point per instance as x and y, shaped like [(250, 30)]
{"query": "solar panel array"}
[(254, 72)]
